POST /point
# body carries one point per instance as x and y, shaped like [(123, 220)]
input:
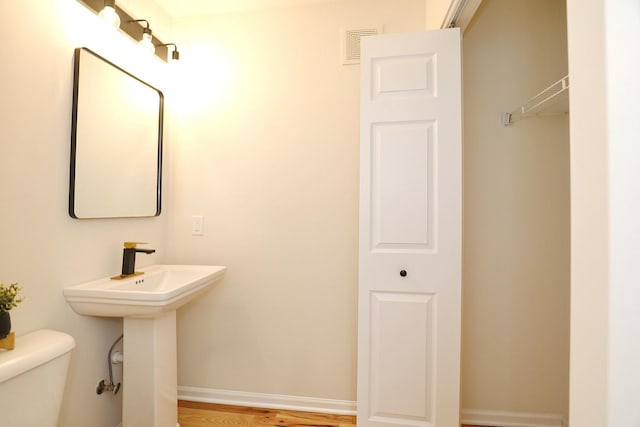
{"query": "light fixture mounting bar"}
[(131, 28)]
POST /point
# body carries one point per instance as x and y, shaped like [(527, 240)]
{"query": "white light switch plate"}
[(197, 225)]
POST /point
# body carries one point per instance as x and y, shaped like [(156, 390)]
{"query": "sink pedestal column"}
[(150, 378)]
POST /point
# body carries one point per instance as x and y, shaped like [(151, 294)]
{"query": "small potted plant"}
[(9, 298)]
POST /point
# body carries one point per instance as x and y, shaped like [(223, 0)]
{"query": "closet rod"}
[(550, 99)]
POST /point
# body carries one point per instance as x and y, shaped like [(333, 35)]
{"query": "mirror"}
[(116, 142)]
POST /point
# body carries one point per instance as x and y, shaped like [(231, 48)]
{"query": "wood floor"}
[(195, 414)]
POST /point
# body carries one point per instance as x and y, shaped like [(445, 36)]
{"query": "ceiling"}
[(183, 8)]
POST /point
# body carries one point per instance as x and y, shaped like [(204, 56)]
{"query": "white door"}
[(410, 230)]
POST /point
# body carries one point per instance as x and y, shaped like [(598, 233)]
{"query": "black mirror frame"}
[(74, 128)]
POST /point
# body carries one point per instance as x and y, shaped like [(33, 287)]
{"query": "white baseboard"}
[(347, 407), (479, 417), (270, 401)]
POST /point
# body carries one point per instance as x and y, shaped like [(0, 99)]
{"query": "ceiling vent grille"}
[(351, 43)]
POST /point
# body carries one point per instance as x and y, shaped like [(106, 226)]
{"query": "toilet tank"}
[(32, 378)]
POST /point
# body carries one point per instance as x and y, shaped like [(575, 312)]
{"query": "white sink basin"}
[(160, 289)]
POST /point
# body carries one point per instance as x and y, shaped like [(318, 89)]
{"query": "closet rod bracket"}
[(505, 119)]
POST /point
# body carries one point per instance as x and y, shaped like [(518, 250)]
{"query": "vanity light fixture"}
[(146, 42), (137, 29), (175, 55), (108, 14)]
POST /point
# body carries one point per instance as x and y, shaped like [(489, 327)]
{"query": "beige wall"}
[(41, 246), (623, 90), (604, 38), (589, 216), (249, 160), (435, 12), (516, 213), (272, 164)]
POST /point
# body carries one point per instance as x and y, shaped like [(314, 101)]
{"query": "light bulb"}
[(110, 17), (146, 44)]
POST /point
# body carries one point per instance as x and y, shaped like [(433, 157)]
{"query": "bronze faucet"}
[(129, 259)]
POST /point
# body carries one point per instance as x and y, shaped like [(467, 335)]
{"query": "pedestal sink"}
[(148, 304)]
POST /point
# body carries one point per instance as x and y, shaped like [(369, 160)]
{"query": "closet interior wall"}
[(516, 212)]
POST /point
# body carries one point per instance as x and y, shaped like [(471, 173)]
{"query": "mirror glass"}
[(116, 142)]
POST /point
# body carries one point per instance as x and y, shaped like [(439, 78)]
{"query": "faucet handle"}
[(132, 245)]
